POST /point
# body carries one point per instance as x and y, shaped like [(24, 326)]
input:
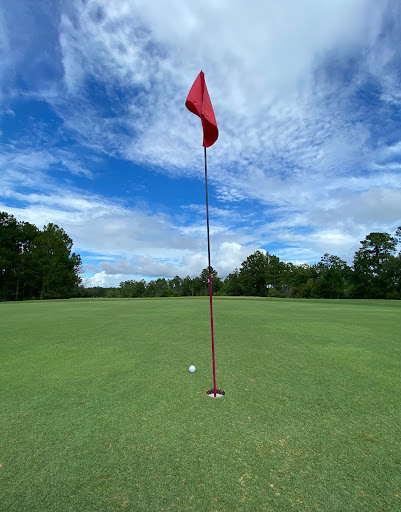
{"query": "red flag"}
[(198, 102)]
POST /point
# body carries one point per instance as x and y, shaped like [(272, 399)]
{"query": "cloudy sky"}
[(95, 136)]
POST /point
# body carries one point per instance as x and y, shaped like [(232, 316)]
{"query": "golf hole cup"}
[(192, 368), (219, 393)]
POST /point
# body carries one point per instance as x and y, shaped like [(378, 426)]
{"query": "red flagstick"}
[(210, 278), (198, 102)]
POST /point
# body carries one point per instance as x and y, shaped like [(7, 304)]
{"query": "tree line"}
[(39, 264), (34, 263), (375, 274)]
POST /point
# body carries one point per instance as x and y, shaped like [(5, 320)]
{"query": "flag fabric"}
[(198, 102)]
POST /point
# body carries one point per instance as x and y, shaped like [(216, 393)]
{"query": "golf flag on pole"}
[(198, 102)]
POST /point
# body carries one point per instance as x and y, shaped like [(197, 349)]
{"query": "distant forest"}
[(37, 264)]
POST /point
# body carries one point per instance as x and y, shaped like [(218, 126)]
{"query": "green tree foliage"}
[(232, 284), (16, 243), (370, 264), (34, 263), (175, 286), (253, 274), (130, 288), (187, 289), (216, 281), (332, 276), (127, 289), (275, 274), (39, 264), (57, 268), (376, 273), (96, 291), (301, 279), (391, 277)]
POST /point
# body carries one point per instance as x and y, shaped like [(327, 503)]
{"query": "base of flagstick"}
[(219, 393)]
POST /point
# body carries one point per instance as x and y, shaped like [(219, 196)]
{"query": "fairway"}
[(99, 412)]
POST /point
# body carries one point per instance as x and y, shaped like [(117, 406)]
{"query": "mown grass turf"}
[(99, 412)]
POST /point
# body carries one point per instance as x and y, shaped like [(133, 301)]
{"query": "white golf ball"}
[(192, 368)]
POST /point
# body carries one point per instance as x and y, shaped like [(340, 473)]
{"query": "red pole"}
[(210, 278), (211, 328)]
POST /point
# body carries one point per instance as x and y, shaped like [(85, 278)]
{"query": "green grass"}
[(98, 411)]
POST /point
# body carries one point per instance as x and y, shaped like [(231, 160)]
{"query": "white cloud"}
[(37, 169), (25, 159), (286, 138), (104, 280), (260, 82), (6, 59), (99, 226), (227, 257), (118, 267), (291, 140), (371, 210), (270, 106), (230, 255), (90, 268)]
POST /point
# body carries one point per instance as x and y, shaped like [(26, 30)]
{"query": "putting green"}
[(100, 413)]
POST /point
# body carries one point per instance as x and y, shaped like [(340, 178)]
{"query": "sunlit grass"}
[(99, 412)]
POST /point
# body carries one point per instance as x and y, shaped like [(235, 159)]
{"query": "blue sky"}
[(95, 136)]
